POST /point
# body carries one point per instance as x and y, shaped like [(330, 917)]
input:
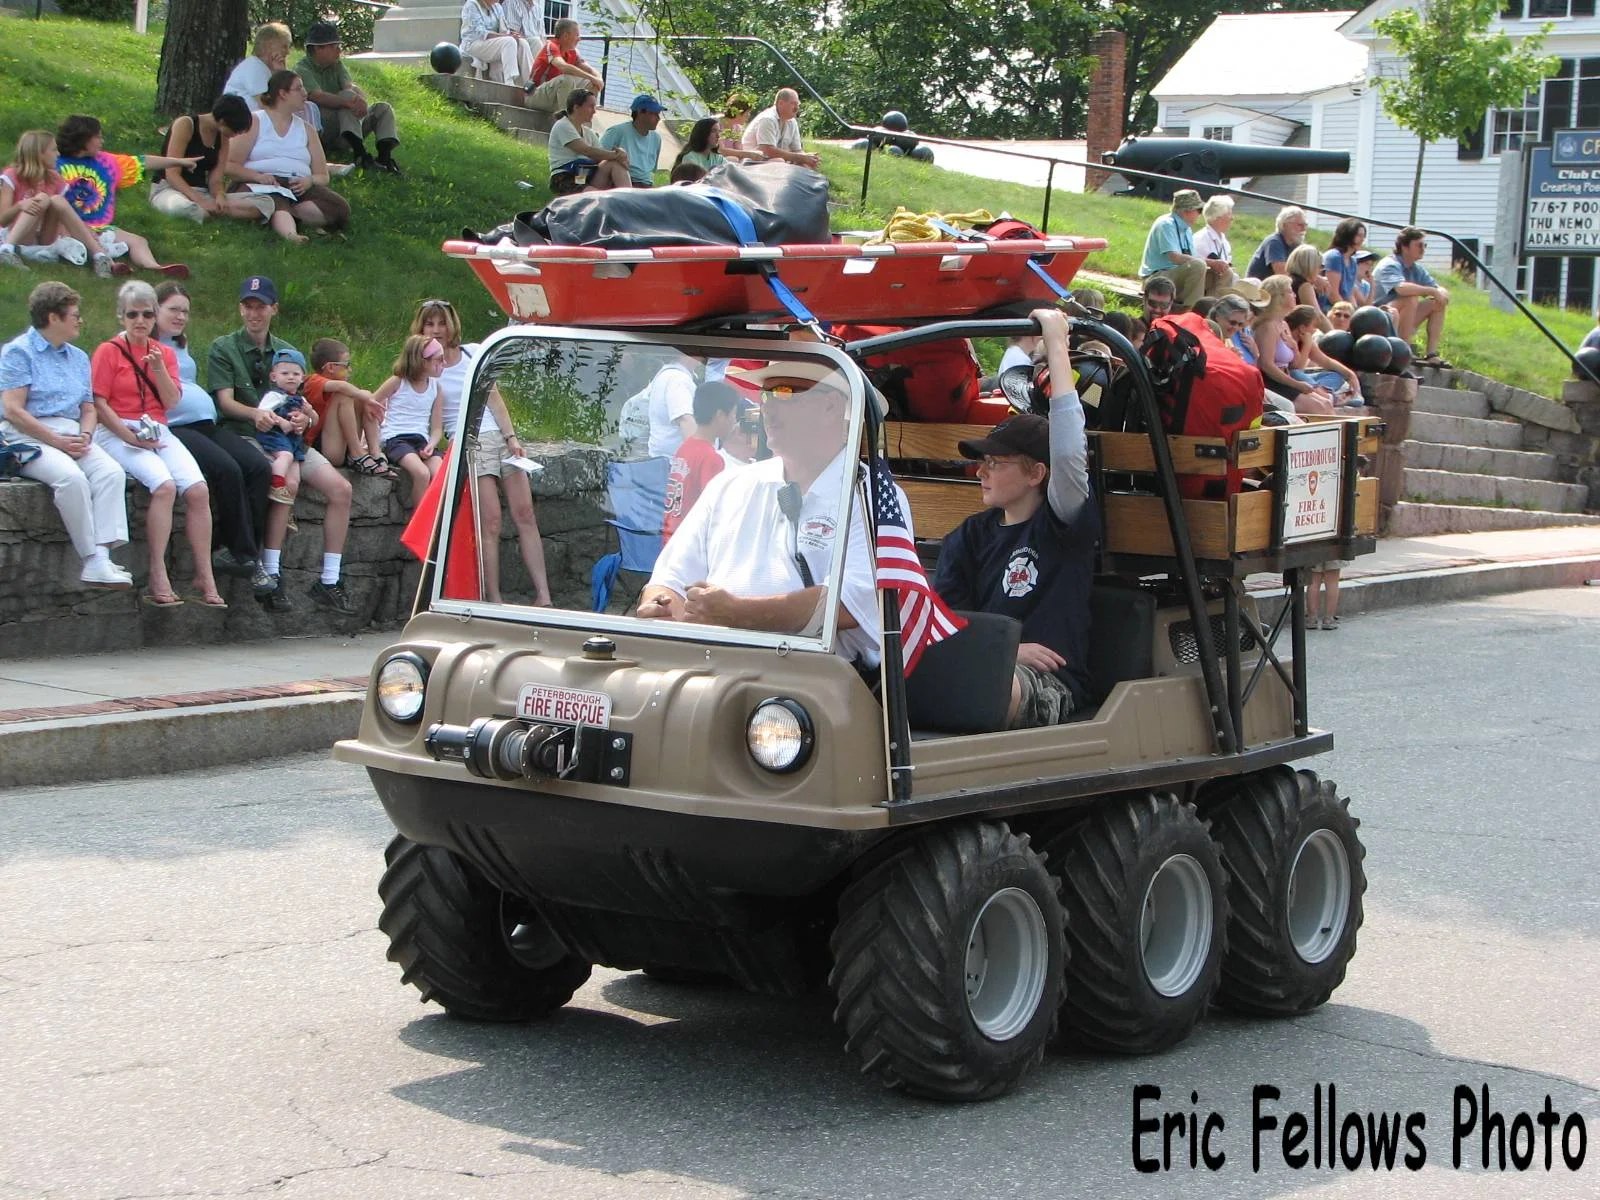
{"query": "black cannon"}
[(1212, 162)]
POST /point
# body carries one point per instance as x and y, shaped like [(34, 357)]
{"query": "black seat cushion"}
[(1122, 621), (963, 684)]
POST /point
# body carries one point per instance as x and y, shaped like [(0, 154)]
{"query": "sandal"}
[(1433, 360), (210, 599), (161, 600), (367, 464)]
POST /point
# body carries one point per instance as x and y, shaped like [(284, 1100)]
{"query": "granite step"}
[(1466, 431), (515, 118), (1426, 520), (1479, 460), (1452, 487), (1451, 402)]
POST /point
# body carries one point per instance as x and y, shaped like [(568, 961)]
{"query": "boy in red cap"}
[(1030, 554)]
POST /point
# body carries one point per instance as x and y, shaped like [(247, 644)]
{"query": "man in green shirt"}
[(347, 118), (236, 371)]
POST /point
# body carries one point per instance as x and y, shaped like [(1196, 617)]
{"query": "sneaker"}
[(10, 258), (226, 562), (280, 495), (275, 601), (102, 572), (331, 596), (262, 583), (71, 250), (38, 254)]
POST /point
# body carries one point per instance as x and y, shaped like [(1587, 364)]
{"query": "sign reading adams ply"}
[(1563, 207), (1312, 495)]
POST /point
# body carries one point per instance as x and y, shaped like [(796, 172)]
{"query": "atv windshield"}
[(688, 487)]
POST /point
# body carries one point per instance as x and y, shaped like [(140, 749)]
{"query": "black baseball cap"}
[(323, 33), (1025, 433)]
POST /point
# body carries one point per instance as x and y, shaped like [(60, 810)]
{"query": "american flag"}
[(924, 618)]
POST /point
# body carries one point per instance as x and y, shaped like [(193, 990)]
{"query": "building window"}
[(1217, 133), (555, 10), (1545, 10), (1511, 127)]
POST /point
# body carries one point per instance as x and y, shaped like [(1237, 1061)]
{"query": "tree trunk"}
[(204, 39), (1416, 180)]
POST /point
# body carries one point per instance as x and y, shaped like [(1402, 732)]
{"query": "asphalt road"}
[(194, 998)]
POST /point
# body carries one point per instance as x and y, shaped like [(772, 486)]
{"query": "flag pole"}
[(892, 662)]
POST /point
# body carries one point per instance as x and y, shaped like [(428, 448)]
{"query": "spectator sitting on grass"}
[(701, 149), (578, 163), (1272, 255), (347, 119), (1339, 315), (1415, 298), (1349, 236), (93, 178), (201, 191), (135, 381), (1308, 281), (346, 430), (280, 164), (233, 467), (1158, 298), (1232, 315), (40, 224), (1169, 251), (412, 412), (47, 403), (1211, 244), (736, 111), (236, 371), (558, 68), (639, 139), (1312, 366), (775, 131)]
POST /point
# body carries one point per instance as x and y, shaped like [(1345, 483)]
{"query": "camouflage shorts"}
[(1045, 699)]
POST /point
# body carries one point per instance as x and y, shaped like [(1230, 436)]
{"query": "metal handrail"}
[(872, 132)]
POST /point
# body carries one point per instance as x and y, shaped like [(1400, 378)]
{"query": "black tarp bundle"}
[(786, 204)]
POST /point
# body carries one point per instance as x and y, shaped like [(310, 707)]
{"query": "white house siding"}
[(1337, 126), (1456, 196), (634, 67)]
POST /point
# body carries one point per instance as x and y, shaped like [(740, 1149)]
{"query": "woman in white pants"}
[(47, 403), (135, 381)]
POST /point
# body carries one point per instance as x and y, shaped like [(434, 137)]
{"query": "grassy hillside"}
[(462, 172)]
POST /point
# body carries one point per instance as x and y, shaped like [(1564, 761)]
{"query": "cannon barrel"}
[(1212, 162)]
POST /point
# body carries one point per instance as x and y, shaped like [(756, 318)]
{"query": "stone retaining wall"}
[(44, 610)]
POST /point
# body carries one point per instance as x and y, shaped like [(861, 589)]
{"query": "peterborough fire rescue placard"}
[(1312, 493)]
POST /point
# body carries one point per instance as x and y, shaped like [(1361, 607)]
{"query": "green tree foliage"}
[(1455, 70), (354, 20)]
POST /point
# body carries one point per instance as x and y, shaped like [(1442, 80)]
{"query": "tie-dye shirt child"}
[(92, 184)]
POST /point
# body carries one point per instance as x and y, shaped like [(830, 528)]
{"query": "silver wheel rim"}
[(1175, 925), (1319, 896), (1008, 954)]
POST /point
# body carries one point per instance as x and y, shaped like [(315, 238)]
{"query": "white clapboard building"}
[(1307, 79)]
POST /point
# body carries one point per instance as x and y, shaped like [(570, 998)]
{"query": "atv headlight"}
[(402, 681), (779, 735)]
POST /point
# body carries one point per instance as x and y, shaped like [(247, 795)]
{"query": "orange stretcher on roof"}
[(838, 281)]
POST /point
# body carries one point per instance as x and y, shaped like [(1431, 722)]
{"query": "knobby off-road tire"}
[(1145, 898), (948, 961), (1294, 893), (458, 943)]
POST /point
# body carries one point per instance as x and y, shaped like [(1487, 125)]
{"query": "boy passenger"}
[(1030, 555)]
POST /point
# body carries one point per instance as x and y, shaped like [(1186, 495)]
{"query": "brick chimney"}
[(1105, 100)]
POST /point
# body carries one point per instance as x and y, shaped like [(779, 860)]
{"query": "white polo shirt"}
[(736, 537)]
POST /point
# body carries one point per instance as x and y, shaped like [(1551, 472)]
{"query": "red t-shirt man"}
[(696, 464), (544, 69)]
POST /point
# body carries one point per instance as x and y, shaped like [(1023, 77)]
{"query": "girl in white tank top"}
[(413, 412)]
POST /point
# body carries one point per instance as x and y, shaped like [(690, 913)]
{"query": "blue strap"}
[(745, 230), (967, 235)]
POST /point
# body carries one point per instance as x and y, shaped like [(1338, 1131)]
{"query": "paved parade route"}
[(194, 998)]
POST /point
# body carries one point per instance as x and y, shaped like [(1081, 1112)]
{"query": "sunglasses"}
[(436, 304), (140, 314), (781, 391), (344, 362)]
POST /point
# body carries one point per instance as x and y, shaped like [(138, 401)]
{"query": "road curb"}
[(1374, 593), (161, 742)]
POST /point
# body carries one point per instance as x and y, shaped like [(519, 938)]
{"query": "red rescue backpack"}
[(1204, 390), (936, 381)]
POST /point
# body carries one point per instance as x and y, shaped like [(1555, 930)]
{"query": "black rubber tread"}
[(1259, 828), (445, 929), (899, 953), (1106, 863)]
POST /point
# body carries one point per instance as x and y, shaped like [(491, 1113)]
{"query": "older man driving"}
[(756, 550)]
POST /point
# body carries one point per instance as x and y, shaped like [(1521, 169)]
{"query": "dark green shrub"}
[(97, 10), (354, 20)]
